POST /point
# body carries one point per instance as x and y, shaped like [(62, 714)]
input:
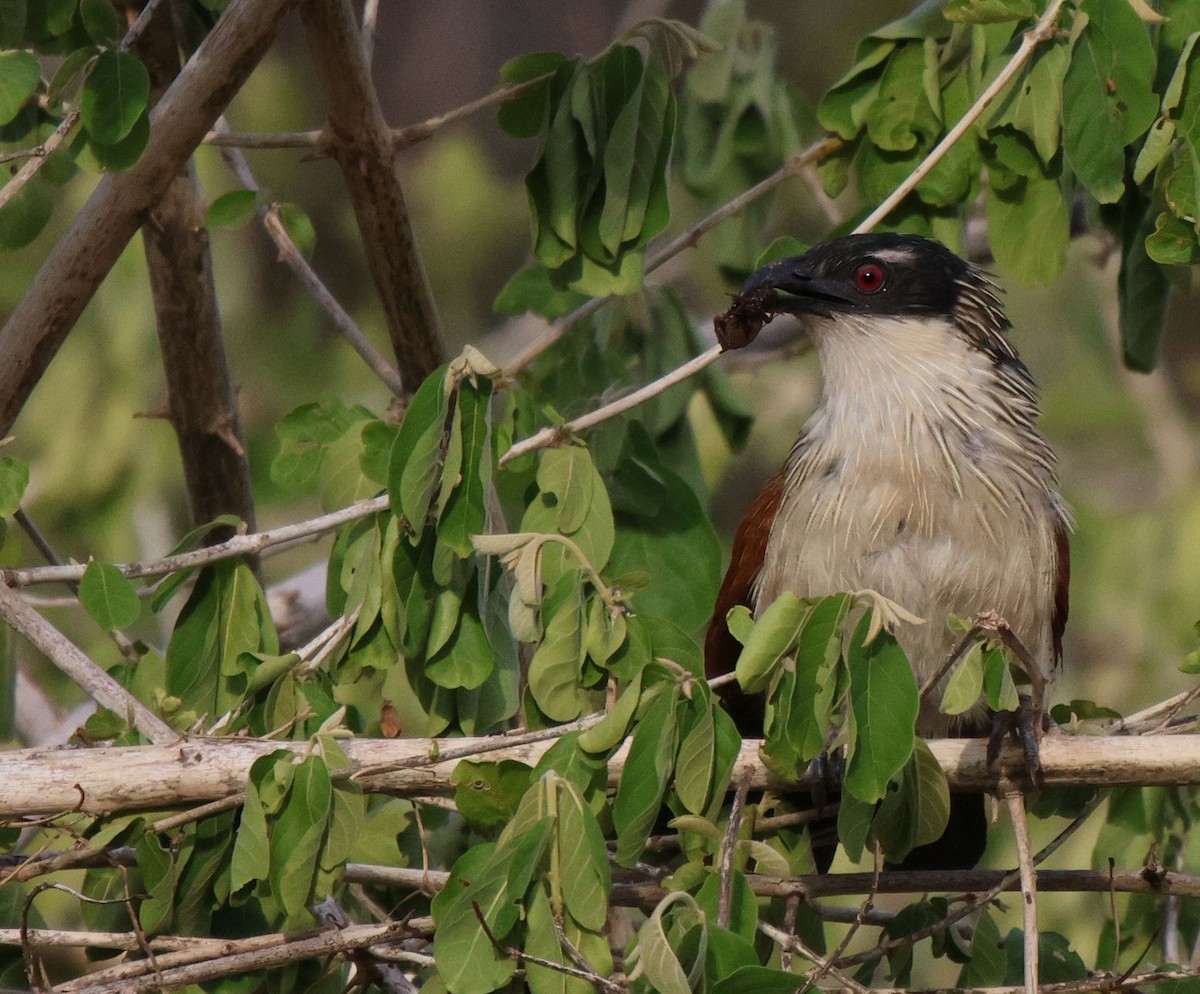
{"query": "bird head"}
[(889, 275)]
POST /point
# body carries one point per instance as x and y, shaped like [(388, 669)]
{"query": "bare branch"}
[(89, 249), (1016, 811), (295, 261), (201, 400), (239, 545), (200, 770), (360, 142), (67, 657)]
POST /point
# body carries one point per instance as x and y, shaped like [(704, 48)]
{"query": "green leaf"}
[(773, 637), (251, 851), (124, 153), (413, 469), (114, 97), (542, 941), (232, 209), (965, 685), (987, 11), (644, 780), (613, 726), (1107, 98), (998, 683), (583, 859), (299, 227), (67, 72), (554, 671), (901, 115), (1035, 203), (657, 957), (1143, 292), (14, 478), (487, 794), (467, 659), (19, 78), (24, 217), (884, 703), (985, 968), (696, 762), (466, 514), (12, 23), (108, 596), (677, 549), (296, 839), (100, 21)]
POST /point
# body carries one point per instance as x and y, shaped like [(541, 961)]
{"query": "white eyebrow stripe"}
[(895, 255)]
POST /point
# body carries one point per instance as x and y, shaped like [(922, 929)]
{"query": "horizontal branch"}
[(131, 778), (239, 545)]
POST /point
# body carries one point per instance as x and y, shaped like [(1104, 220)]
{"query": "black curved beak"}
[(795, 288)]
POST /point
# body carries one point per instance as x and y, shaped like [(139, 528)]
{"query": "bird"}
[(922, 475)]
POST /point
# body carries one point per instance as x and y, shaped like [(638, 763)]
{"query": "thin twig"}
[(291, 255), (64, 654), (1016, 811), (789, 942), (1039, 33), (239, 545), (728, 848), (553, 434)]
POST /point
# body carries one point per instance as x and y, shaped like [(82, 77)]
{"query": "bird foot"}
[(1026, 724)]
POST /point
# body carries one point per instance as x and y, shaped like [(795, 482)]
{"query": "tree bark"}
[(131, 778), (82, 258), (201, 401), (359, 139)]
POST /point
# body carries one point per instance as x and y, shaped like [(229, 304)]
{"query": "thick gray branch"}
[(360, 141), (84, 255), (135, 778)]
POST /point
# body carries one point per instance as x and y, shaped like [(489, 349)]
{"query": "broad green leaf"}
[(809, 713), (487, 794), (1034, 204), (986, 965), (743, 905), (414, 467), (554, 671), (114, 96), (773, 637), (108, 596), (251, 851), (655, 954), (67, 73), (987, 11), (965, 685), (299, 227), (583, 859), (467, 659), (19, 78), (1108, 102), (232, 209), (12, 22), (14, 478), (883, 698), (524, 115), (1172, 242), (612, 727), (901, 115), (696, 761), (530, 289), (466, 513), (998, 682), (124, 153), (678, 550), (25, 216), (296, 838), (645, 775), (542, 941), (100, 21), (566, 474)]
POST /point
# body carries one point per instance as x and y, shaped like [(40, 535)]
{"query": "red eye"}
[(869, 277)]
